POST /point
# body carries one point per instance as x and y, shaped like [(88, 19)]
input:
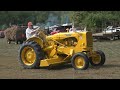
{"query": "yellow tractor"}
[(65, 47)]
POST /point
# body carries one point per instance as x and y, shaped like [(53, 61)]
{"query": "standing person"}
[(30, 31)]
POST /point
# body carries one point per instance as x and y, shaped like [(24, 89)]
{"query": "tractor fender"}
[(36, 39)]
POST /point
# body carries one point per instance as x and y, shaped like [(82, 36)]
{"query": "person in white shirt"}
[(30, 32)]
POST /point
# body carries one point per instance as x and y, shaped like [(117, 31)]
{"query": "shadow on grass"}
[(58, 67), (105, 66), (67, 66), (110, 66), (55, 67)]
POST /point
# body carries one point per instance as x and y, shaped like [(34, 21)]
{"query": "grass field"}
[(11, 69)]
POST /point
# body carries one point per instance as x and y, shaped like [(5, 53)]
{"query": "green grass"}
[(8, 49), (10, 68), (110, 48)]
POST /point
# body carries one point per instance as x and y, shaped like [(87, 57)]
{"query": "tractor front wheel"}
[(80, 61), (98, 60), (30, 54)]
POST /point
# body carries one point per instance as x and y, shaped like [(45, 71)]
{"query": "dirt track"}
[(11, 69)]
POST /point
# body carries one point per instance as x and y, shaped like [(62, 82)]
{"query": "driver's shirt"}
[(29, 33)]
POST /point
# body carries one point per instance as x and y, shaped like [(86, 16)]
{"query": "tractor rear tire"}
[(102, 59), (30, 54), (21, 42), (16, 42), (80, 61)]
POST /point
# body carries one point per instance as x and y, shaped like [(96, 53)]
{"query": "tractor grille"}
[(89, 39)]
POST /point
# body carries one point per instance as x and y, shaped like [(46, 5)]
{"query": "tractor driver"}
[(30, 31)]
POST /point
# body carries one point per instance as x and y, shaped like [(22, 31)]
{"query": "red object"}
[(54, 32), (23, 35)]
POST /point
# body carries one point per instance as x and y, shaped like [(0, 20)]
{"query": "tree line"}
[(91, 19), (96, 19)]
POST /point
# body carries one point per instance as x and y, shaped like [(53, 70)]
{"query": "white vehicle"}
[(110, 30), (117, 29), (35, 26), (108, 33)]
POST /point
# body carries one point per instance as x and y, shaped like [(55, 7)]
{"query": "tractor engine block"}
[(72, 41)]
